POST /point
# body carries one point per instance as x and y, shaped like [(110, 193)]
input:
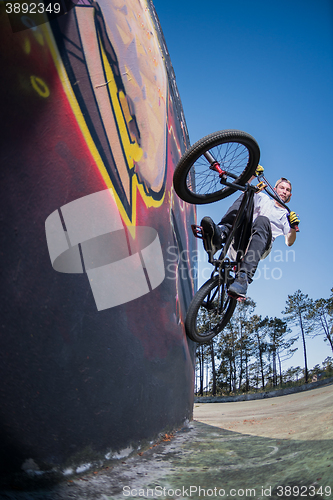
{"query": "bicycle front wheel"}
[(209, 312), (236, 152)]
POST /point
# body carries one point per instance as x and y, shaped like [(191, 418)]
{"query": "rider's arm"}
[(259, 171), (293, 221), (290, 237)]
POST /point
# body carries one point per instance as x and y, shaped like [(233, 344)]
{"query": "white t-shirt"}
[(264, 205)]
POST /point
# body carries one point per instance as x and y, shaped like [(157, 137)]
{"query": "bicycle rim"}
[(236, 152), (209, 312)]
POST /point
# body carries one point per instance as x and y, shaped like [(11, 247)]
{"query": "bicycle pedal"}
[(198, 231), (237, 297)]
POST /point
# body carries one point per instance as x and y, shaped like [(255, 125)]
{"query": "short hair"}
[(283, 179)]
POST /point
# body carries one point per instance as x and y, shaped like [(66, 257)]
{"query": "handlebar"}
[(247, 186), (276, 197), (223, 174)]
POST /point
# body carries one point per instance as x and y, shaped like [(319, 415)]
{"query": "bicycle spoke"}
[(233, 157), (212, 310)]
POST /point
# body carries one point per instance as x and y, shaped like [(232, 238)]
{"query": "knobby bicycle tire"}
[(237, 152), (199, 307)]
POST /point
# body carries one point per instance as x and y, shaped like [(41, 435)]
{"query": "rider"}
[(270, 220)]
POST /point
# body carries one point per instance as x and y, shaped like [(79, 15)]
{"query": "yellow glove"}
[(259, 171), (293, 220)]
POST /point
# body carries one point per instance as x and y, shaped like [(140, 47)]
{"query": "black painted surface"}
[(77, 384)]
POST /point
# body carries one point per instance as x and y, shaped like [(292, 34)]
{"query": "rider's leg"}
[(217, 233), (260, 241), (214, 235), (229, 217)]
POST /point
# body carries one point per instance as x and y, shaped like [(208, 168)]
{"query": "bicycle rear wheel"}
[(210, 310), (236, 152)]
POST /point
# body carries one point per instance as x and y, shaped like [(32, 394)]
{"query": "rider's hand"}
[(259, 171), (293, 220)]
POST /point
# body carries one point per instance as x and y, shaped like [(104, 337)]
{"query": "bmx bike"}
[(212, 169)]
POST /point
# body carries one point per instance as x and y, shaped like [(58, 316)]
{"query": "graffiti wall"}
[(95, 247)]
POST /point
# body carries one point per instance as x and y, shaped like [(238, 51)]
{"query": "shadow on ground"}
[(205, 461)]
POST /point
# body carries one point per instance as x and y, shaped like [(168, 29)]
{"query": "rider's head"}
[(283, 189)]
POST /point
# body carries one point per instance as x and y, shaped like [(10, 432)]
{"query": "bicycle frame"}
[(249, 190), (222, 263), (231, 170), (214, 165)]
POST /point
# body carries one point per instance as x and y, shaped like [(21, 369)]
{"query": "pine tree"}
[(296, 310), (279, 345), (320, 315), (212, 359), (258, 327), (245, 344), (226, 348)]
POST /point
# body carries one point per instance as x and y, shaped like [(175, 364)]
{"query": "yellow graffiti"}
[(39, 37), (80, 119), (133, 151), (30, 23), (27, 46), (40, 86)]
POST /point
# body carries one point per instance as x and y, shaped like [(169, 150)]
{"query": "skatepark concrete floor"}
[(276, 448)]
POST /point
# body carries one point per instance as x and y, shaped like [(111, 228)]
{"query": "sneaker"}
[(214, 236), (238, 288)]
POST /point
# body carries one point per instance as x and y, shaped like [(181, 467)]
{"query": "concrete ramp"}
[(280, 448), (303, 416), (95, 247)]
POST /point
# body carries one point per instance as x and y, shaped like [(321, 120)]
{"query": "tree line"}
[(250, 351)]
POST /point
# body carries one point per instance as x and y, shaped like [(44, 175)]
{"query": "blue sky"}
[(266, 68)]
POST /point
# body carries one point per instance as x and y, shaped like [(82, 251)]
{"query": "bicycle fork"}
[(223, 174), (214, 164)]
